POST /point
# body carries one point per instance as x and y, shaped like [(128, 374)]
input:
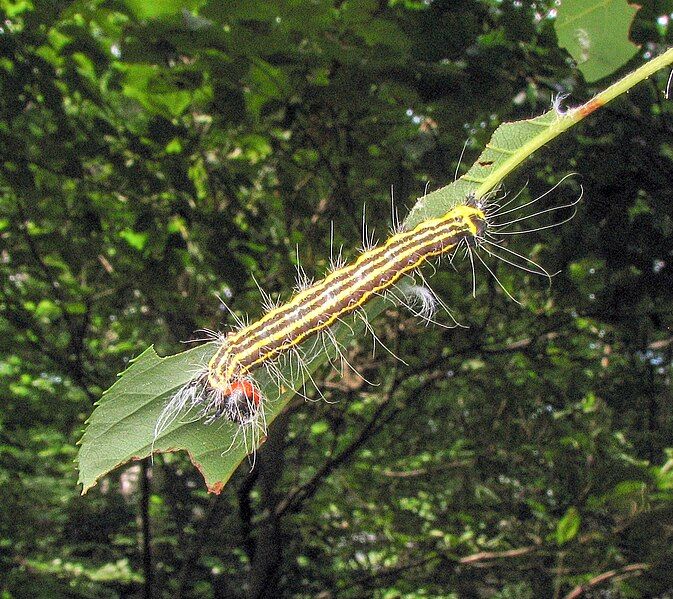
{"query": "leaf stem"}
[(566, 120)]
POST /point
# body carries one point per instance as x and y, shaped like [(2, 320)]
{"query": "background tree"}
[(156, 154)]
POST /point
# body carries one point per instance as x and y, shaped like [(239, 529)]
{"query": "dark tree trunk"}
[(265, 566)]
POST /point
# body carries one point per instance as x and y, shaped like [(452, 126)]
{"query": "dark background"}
[(154, 156)]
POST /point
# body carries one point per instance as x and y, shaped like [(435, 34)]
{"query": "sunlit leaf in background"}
[(598, 49)]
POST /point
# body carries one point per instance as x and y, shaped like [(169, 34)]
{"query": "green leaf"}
[(76, 308), (121, 427), (568, 526), (47, 309), (664, 474), (142, 9), (589, 402), (167, 92), (320, 427), (134, 239), (512, 143), (509, 146), (173, 147), (266, 83), (597, 49)]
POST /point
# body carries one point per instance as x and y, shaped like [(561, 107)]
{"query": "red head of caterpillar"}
[(239, 402)]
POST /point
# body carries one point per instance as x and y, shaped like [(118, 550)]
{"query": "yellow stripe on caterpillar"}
[(226, 386), (340, 293)]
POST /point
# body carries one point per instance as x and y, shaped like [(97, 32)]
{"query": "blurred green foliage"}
[(154, 154)]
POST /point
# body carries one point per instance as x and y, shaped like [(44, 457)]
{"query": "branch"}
[(424, 471), (394, 570), (293, 500), (470, 560), (491, 555), (245, 512), (193, 552), (625, 572), (145, 525)]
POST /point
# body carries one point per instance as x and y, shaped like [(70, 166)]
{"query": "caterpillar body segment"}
[(339, 294), (226, 387)]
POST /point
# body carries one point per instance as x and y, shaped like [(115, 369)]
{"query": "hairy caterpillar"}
[(227, 387)]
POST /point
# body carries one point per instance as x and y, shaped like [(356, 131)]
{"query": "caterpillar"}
[(227, 387)]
